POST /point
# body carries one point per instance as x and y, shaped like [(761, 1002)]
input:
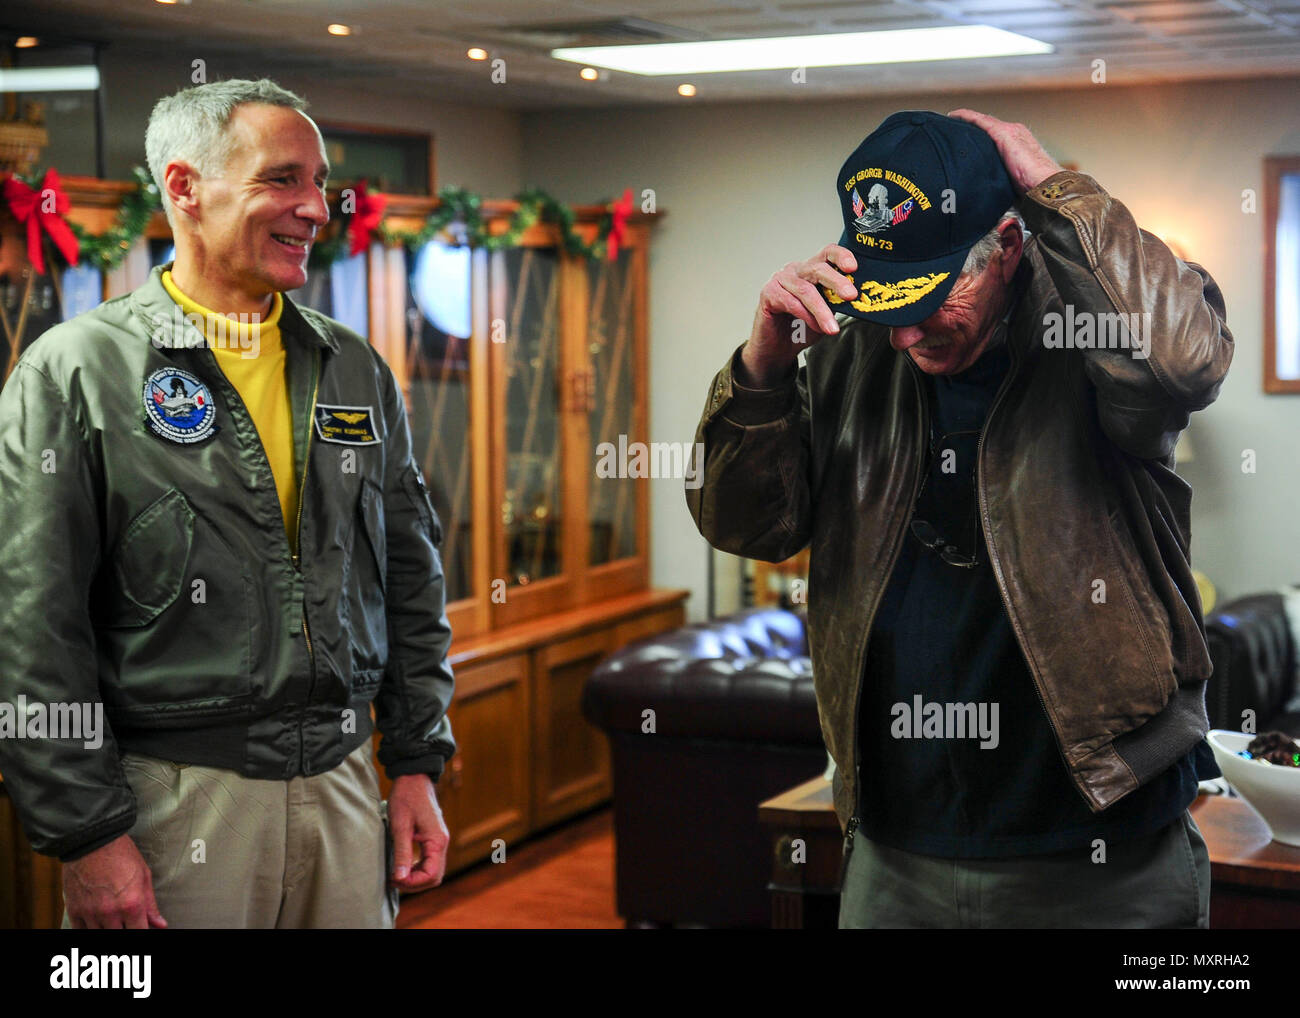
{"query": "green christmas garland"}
[(465, 208), (106, 250), (459, 211)]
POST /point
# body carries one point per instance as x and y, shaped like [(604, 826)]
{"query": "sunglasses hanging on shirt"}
[(928, 534)]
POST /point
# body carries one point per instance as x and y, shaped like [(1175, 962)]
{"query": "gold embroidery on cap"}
[(887, 296)]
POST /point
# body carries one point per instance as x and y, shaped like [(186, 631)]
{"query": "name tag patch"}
[(346, 425)]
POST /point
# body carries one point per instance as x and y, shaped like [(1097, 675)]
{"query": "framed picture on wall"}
[(396, 161), (1282, 274)]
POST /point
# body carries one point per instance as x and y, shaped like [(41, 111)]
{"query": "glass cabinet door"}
[(611, 391), (32, 303), (527, 423), (161, 251), (439, 327), (339, 291)]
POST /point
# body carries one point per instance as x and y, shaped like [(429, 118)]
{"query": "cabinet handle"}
[(573, 391), (579, 392)]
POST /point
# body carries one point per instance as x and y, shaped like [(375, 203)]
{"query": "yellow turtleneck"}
[(252, 357)]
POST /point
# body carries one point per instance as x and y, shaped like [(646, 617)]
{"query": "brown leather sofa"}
[(1255, 665), (704, 723)]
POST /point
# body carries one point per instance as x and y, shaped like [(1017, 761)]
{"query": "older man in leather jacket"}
[(1006, 637)]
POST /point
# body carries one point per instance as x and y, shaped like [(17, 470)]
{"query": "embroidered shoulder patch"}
[(346, 425), (178, 406)]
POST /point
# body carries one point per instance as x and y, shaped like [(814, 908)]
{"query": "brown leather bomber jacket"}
[(1076, 484)]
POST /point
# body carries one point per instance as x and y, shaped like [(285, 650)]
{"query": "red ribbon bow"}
[(365, 218), (40, 208), (618, 224)]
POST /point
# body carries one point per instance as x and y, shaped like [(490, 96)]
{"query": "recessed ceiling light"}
[(339, 29), (589, 74), (845, 49), (476, 53), (687, 90), (26, 42)]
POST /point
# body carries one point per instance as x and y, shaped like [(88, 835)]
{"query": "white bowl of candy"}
[(1267, 776)]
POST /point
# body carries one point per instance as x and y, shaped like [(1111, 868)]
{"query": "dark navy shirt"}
[(942, 633)]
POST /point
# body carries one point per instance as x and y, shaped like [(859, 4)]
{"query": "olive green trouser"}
[(227, 851), (1161, 881)]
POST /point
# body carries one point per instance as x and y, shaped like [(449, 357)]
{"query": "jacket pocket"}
[(151, 561), (365, 590), (371, 510), (413, 483), (179, 620)]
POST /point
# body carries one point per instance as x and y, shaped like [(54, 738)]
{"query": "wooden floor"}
[(563, 880)]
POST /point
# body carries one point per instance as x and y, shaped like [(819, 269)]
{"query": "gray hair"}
[(191, 125), (977, 259)]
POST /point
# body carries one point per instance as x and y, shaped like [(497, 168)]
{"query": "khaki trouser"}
[(1161, 881), (227, 851)]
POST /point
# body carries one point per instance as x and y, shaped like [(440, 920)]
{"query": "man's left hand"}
[(414, 816), (1026, 162)]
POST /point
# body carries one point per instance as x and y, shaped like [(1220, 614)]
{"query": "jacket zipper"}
[(294, 552), (855, 821), (993, 559), (297, 543), (302, 483)]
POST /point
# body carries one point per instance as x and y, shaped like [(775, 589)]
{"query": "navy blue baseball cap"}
[(916, 196)]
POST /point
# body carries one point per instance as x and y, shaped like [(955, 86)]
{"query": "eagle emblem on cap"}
[(875, 215)]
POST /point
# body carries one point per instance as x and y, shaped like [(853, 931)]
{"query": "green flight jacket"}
[(145, 567)]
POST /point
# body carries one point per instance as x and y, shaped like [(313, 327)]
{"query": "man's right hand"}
[(793, 292), (111, 888)]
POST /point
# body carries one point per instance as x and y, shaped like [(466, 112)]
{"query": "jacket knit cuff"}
[(430, 765), (101, 835), (746, 406)]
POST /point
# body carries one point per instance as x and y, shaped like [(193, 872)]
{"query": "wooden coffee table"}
[(1254, 881)]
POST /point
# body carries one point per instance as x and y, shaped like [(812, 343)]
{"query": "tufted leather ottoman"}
[(704, 723)]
